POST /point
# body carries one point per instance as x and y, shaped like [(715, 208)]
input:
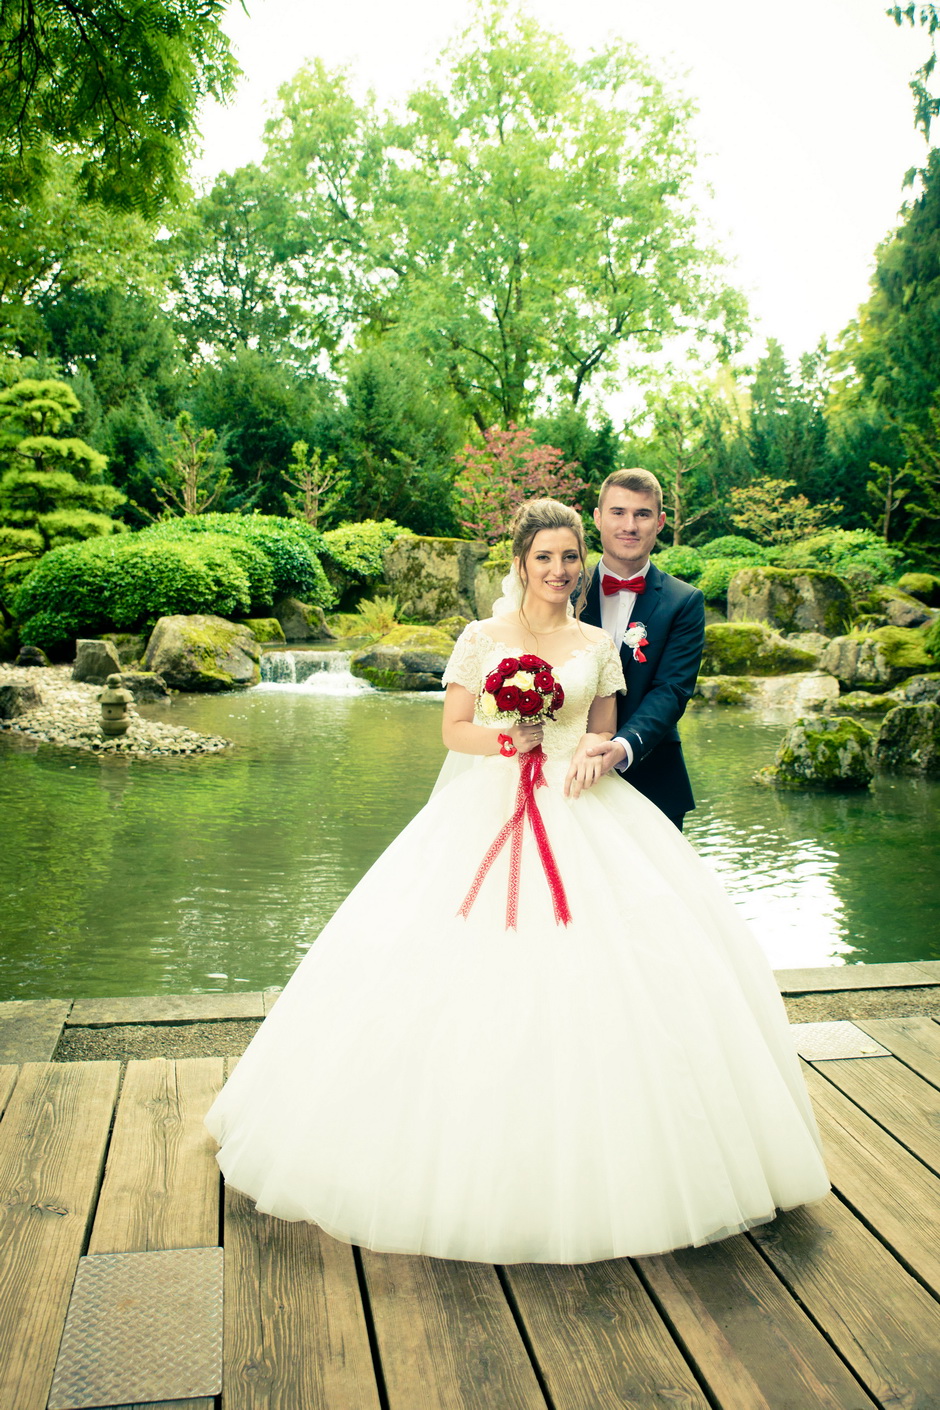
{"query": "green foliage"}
[(715, 577), (495, 478), (765, 510), (932, 641), (358, 549), (251, 558), (194, 475), (119, 80), (859, 556), (379, 615), (125, 584), (292, 549), (681, 562), (733, 546)]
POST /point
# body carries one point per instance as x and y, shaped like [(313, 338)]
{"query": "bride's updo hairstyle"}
[(538, 514)]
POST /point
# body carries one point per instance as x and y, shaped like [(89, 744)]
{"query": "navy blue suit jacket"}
[(659, 688)]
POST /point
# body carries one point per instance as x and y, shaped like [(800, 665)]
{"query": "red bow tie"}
[(612, 585)]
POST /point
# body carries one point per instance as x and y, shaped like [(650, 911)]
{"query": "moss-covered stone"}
[(882, 657), (302, 621), (917, 689), (725, 690), (452, 626), (791, 600), (925, 586), (909, 741), (202, 653), (750, 649), (432, 578), (862, 702), (890, 607), (932, 642), (264, 629), (406, 658), (827, 754), (130, 646), (417, 638)]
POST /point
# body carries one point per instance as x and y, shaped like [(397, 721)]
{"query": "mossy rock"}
[(883, 657), (932, 642), (725, 690), (264, 629), (431, 578), (406, 658), (452, 626), (791, 600), (411, 637), (203, 653), (751, 649), (916, 689), (909, 741), (863, 702), (301, 621), (893, 608), (925, 586), (130, 646), (821, 753)]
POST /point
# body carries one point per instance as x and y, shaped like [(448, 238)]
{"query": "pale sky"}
[(805, 118)]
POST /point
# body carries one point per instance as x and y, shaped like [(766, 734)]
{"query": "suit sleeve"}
[(674, 682)]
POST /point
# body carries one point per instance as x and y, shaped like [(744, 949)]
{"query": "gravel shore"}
[(70, 716)]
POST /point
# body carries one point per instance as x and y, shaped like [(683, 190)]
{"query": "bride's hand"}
[(586, 769), (526, 737)]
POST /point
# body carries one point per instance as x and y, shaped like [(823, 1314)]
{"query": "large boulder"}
[(300, 621), (725, 690), (917, 689), (16, 697), (265, 630), (31, 656), (925, 586), (891, 607), (95, 661), (202, 653), (791, 600), (833, 755), (129, 646), (145, 686), (751, 649), (406, 658), (909, 741), (432, 578), (880, 658)]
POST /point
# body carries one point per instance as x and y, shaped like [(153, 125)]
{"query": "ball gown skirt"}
[(432, 1082)]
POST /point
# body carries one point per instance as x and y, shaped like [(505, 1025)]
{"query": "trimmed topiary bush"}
[(355, 552), (734, 546), (715, 577), (681, 562), (859, 555)]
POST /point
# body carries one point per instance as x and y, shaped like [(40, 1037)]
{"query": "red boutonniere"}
[(634, 638)]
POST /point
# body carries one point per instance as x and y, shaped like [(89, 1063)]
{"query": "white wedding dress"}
[(436, 1083)]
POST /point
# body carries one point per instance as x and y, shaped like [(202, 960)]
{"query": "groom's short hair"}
[(640, 481)]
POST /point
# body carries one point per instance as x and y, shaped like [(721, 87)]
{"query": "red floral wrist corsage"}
[(506, 746)]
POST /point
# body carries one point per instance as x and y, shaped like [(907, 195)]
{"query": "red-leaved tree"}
[(495, 478)]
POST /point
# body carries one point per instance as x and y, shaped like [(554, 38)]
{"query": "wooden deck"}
[(833, 1307)]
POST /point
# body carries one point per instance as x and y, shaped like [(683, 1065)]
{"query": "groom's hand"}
[(594, 757)]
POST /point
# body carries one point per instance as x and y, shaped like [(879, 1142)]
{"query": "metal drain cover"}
[(141, 1327), (838, 1039)]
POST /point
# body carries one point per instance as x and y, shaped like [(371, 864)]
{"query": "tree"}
[(911, 493), (118, 81), (926, 104), (194, 476), (766, 512), (317, 485), (508, 468), (527, 223)]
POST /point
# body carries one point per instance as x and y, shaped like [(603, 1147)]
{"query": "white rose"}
[(488, 705), (524, 680)]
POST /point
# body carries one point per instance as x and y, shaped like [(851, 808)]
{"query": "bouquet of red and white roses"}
[(521, 690)]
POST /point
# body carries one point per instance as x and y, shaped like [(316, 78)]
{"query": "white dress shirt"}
[(617, 612)]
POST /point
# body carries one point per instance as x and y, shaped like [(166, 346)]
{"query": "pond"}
[(216, 874)]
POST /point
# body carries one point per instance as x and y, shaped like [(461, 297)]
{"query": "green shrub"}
[(715, 577), (61, 526), (291, 547), (125, 584), (858, 555), (358, 549), (734, 546), (680, 561), (378, 616)]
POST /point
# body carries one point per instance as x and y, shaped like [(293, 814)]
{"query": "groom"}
[(658, 623)]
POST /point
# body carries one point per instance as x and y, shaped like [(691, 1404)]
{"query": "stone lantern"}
[(114, 702)]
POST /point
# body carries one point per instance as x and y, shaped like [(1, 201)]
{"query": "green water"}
[(216, 874)]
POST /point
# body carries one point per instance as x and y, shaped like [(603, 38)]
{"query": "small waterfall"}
[(313, 672)]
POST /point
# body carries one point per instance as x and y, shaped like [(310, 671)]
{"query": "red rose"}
[(545, 681), (494, 682), (510, 697), (532, 663), (508, 666), (530, 702), (558, 698)]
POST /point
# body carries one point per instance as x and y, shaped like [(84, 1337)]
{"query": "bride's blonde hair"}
[(538, 514)]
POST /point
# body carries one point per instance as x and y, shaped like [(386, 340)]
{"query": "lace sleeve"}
[(463, 668), (609, 670)]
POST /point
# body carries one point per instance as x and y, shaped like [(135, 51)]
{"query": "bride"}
[(537, 1030)]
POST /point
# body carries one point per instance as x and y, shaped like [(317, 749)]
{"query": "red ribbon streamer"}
[(530, 778)]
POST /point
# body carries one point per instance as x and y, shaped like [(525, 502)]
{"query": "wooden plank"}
[(161, 1184), (8, 1076), (295, 1331), (30, 1029), (876, 1315), (916, 1041), (843, 977), (446, 1336), (164, 1008), (52, 1144), (898, 1099), (893, 1192), (597, 1339), (751, 1344)]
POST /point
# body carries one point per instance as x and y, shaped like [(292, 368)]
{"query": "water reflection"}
[(191, 875)]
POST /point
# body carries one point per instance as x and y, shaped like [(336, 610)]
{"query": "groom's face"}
[(628, 522)]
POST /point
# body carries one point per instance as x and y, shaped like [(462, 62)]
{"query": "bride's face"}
[(552, 565)]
